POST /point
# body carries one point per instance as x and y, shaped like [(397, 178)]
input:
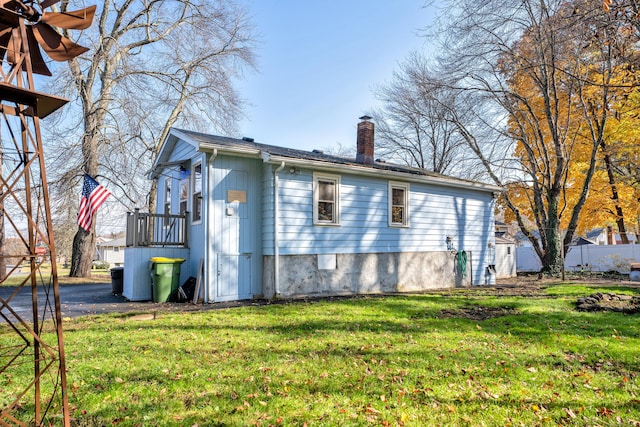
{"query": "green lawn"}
[(401, 360), (20, 276)]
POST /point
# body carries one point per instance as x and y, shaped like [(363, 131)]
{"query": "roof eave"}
[(362, 170), (369, 172)]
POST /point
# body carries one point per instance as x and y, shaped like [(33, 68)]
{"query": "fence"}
[(594, 258), (147, 229)]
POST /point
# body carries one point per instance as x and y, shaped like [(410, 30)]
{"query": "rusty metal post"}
[(24, 204)]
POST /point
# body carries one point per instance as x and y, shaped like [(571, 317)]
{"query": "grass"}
[(401, 360), (18, 277)]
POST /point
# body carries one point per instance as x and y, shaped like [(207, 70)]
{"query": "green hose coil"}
[(462, 262)]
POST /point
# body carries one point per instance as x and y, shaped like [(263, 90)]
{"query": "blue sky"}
[(318, 64)]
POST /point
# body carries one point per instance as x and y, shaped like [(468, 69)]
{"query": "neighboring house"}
[(112, 251), (523, 241), (502, 229), (269, 222), (598, 236), (505, 257)]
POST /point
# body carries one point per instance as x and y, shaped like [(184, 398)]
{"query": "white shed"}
[(505, 257)]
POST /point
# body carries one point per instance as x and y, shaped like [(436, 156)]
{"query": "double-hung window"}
[(326, 199), (196, 201), (398, 204)]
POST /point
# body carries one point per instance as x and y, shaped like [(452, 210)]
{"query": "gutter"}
[(354, 169), (276, 245), (208, 267)]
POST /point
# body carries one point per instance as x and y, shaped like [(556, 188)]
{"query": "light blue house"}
[(269, 222)]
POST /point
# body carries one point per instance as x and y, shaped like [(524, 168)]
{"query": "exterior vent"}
[(247, 139)]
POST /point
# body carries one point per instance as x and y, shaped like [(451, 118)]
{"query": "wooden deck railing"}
[(147, 229)]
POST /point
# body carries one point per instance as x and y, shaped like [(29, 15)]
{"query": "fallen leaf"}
[(570, 413), (532, 369), (604, 412)]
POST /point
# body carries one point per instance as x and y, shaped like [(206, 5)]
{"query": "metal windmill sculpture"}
[(30, 340)]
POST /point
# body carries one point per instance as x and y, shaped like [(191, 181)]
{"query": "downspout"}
[(276, 246), (207, 237)]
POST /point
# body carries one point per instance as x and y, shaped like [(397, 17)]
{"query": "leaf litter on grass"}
[(357, 362)]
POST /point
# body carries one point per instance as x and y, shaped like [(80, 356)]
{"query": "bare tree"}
[(153, 64), (529, 88), (412, 125)]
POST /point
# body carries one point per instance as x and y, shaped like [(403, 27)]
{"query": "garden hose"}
[(462, 262)]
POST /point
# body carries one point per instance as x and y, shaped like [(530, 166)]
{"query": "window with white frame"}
[(167, 195), (196, 200), (184, 191), (398, 204), (326, 199)]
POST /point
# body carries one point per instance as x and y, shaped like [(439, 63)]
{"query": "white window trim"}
[(336, 217), (187, 194), (167, 191), (193, 192), (404, 186)]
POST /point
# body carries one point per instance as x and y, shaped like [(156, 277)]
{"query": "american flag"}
[(93, 195)]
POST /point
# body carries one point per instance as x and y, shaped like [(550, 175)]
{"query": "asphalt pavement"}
[(75, 300), (96, 298)]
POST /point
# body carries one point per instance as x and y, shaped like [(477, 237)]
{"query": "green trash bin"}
[(165, 277)]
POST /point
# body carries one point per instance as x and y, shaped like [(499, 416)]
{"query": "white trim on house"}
[(405, 187), (196, 193), (351, 168), (289, 241), (335, 213)]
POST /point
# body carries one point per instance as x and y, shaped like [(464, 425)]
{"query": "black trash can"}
[(117, 279)]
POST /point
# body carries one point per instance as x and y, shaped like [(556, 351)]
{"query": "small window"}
[(196, 202), (184, 191), (398, 204), (167, 195), (326, 197), (508, 250)]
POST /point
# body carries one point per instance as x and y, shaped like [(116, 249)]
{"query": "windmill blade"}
[(8, 16), (46, 3), (74, 20), (58, 47), (38, 65)]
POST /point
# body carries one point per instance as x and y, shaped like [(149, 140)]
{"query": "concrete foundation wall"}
[(346, 274)]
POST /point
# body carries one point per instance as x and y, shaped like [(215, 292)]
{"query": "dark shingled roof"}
[(249, 144)]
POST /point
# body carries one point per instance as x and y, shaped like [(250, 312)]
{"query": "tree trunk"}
[(82, 253), (553, 261), (3, 251), (614, 196)]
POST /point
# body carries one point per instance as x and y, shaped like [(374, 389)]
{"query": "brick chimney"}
[(365, 141)]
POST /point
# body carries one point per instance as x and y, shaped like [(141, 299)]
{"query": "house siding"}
[(362, 253), (434, 213), (184, 152), (196, 232), (267, 209)]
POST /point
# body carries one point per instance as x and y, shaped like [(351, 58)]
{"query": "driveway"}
[(97, 298), (75, 300)]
